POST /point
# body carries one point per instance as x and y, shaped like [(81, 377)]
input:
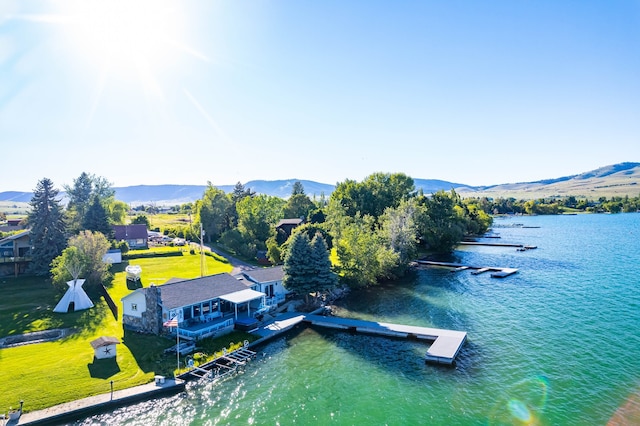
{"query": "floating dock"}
[(480, 243), (519, 247), (444, 349), (496, 272)]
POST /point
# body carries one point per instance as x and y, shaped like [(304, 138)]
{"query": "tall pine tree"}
[(96, 218), (46, 223), (297, 270), (322, 277), (307, 267)]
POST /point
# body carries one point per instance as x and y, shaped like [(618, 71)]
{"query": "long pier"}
[(444, 349), (496, 272)]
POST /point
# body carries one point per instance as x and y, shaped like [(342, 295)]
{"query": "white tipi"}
[(75, 293)]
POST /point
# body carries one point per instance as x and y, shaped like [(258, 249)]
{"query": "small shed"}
[(105, 347), (113, 256)]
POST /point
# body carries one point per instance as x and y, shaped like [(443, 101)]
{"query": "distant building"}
[(285, 227), (13, 225), (135, 235), (15, 253)]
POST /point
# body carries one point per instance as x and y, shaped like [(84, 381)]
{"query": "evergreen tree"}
[(322, 276), (96, 218), (239, 192), (46, 222), (297, 270), (81, 194), (298, 189), (79, 197), (307, 266)]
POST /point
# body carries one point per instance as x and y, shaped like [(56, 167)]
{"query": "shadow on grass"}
[(27, 305), (103, 368), (134, 285), (148, 351)]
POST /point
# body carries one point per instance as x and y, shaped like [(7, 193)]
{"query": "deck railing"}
[(15, 259), (201, 333)]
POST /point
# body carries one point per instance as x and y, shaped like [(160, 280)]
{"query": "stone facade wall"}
[(151, 320)]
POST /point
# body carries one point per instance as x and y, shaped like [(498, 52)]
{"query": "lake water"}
[(555, 344)]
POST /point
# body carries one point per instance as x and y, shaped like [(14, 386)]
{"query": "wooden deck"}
[(496, 272), (444, 349)]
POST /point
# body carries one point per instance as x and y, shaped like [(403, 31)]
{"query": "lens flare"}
[(523, 403)]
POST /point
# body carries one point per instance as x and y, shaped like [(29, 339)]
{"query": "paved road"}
[(238, 265)]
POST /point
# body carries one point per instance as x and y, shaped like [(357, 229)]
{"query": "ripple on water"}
[(556, 344)]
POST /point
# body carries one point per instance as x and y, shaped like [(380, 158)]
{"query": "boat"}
[(133, 272)]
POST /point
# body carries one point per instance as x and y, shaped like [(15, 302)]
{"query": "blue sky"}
[(185, 92)]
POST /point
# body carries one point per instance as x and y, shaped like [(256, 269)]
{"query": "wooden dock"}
[(496, 272), (444, 349), (480, 243)]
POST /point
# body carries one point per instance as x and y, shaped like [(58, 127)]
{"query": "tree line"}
[(375, 227), (557, 205), (369, 231), (72, 240)]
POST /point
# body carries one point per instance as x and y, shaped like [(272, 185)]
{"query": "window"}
[(134, 306)]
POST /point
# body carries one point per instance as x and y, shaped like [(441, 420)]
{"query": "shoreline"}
[(85, 407)]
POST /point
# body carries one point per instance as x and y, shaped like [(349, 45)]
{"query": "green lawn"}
[(46, 374)]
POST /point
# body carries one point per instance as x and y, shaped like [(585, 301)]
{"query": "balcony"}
[(15, 259), (200, 329)]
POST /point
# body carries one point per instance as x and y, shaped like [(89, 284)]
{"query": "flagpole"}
[(178, 343)]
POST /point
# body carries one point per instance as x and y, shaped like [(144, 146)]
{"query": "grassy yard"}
[(164, 220), (50, 373)]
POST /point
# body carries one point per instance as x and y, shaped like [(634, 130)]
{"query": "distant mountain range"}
[(618, 179)]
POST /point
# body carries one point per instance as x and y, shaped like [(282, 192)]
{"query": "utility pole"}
[(201, 251)]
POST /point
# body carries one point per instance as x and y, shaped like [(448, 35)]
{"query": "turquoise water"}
[(555, 344)]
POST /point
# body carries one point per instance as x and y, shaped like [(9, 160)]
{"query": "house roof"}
[(296, 221), (130, 232), (176, 293), (15, 236), (104, 341), (264, 275), (242, 296)]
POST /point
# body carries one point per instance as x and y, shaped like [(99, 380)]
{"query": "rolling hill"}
[(614, 180)]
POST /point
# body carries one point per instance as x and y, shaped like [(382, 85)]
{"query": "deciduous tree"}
[(258, 215), (85, 252), (440, 226), (212, 212)]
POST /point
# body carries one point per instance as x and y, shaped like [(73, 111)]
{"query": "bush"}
[(123, 246), (146, 255)]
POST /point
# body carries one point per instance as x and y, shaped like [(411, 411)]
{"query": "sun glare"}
[(124, 36)]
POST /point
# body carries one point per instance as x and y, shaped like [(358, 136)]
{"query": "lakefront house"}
[(201, 307), (267, 281)]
